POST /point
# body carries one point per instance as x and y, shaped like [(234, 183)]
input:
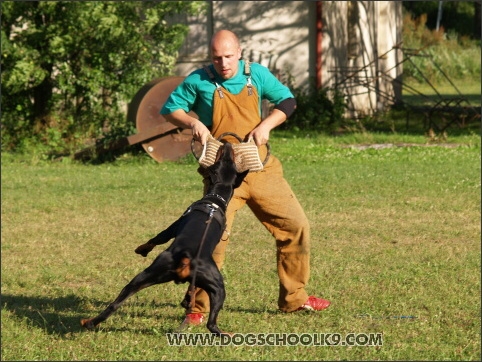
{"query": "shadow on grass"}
[(61, 316)]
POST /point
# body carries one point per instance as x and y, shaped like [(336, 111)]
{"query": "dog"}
[(189, 258)]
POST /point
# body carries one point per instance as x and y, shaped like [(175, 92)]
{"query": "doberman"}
[(189, 257)]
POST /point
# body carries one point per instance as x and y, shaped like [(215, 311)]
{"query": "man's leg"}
[(275, 205)]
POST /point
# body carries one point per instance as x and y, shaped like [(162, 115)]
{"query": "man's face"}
[(225, 54)]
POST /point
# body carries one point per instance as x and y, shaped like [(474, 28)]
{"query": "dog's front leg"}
[(216, 300), (161, 238)]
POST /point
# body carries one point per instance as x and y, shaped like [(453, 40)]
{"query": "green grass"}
[(447, 113), (395, 232), (467, 89)]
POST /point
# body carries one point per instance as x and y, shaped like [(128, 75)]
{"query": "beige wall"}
[(273, 33), (359, 57), (282, 36)]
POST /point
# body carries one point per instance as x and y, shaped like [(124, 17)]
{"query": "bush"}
[(443, 54), (65, 85), (317, 109)]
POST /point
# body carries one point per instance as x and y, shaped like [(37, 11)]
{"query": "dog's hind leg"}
[(158, 272), (210, 279)]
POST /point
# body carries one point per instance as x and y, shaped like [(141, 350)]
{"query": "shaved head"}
[(224, 37)]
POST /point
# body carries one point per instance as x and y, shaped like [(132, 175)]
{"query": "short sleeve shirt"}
[(196, 92)]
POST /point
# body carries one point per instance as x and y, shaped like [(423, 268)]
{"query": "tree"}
[(462, 17), (70, 68)]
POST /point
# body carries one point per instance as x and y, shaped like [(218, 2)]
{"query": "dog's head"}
[(223, 171)]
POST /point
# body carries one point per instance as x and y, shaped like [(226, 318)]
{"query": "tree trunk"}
[(477, 22), (42, 94)]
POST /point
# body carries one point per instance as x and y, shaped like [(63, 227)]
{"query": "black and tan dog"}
[(190, 255)]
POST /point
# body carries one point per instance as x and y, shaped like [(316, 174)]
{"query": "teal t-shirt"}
[(196, 92)]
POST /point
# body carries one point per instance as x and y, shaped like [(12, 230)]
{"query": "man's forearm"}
[(274, 119), (181, 119)]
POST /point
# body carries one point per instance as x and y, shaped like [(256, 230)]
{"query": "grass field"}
[(467, 90), (395, 247)]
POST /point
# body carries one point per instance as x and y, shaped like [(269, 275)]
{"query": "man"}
[(227, 96)]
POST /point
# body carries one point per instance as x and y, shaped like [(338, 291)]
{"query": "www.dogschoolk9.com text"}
[(276, 339)]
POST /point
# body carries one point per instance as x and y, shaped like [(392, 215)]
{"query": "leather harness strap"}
[(213, 79), (192, 286), (214, 212), (247, 71), (208, 207)]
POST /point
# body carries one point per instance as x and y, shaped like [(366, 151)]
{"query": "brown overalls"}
[(270, 198)]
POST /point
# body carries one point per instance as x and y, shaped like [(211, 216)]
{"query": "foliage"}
[(457, 16), (70, 67), (442, 54), (317, 109)]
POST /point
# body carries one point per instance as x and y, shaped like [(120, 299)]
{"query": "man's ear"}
[(239, 178)]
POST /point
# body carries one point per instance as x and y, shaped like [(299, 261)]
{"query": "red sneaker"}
[(314, 303), (193, 319)]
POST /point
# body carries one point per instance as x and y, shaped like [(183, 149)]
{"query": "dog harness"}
[(210, 208), (214, 212)]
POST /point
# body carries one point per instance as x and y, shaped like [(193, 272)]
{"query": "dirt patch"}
[(379, 146)]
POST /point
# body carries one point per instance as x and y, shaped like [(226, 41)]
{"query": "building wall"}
[(273, 33), (356, 48), (359, 52)]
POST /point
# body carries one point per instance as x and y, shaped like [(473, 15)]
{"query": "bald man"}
[(226, 96)]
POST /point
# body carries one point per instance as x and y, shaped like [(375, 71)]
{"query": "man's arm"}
[(280, 113), (181, 119)]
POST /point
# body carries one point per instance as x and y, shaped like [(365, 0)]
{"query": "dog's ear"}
[(219, 153), (213, 169), (239, 178)]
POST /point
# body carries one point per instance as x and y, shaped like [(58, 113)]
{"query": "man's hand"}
[(262, 131), (200, 132), (260, 134), (181, 119)]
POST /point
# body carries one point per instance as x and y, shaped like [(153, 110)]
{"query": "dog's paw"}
[(144, 249), (87, 324), (216, 331), (186, 302)]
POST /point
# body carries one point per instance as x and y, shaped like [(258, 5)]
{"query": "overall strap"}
[(247, 71), (213, 79)]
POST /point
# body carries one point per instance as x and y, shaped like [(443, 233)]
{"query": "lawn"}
[(395, 248), (467, 90)]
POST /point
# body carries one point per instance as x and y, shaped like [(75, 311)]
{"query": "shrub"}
[(443, 54), (317, 109)]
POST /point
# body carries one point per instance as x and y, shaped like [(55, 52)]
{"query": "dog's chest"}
[(198, 227)]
